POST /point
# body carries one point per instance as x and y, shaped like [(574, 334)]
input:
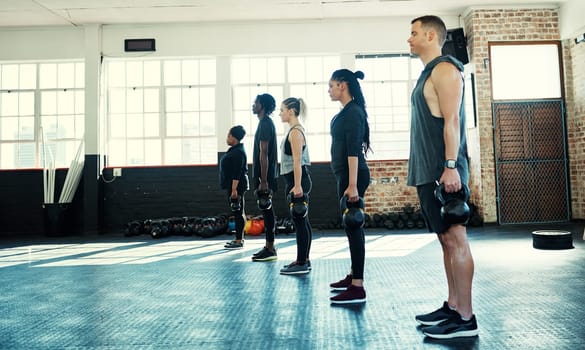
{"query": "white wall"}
[(42, 43), (571, 19)]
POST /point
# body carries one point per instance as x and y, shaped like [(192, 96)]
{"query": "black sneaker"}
[(453, 327), (234, 245), (437, 316), (296, 262), (265, 255)]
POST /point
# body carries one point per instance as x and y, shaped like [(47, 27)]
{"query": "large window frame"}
[(42, 111), (170, 119)]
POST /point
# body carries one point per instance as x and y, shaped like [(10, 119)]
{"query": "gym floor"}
[(115, 292)]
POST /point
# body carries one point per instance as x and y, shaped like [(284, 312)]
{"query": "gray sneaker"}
[(234, 245), (295, 268)]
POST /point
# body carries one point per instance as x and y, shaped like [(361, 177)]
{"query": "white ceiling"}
[(15, 13)]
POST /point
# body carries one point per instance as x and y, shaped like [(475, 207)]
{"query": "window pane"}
[(135, 125), (207, 72), (66, 75), (48, 75), (117, 101), (151, 125), (134, 101), (66, 125), (9, 76), (152, 152), (275, 70), (190, 73), (117, 125), (190, 124), (190, 99), (151, 73), (151, 100), (28, 76), (134, 75), (116, 74), (65, 102), (117, 152), (207, 120), (174, 124), (240, 71), (173, 151), (135, 152), (9, 128), (513, 70), (173, 99), (207, 98), (79, 75), (172, 72)]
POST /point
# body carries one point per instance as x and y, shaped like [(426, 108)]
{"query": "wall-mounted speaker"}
[(139, 45), (456, 45)]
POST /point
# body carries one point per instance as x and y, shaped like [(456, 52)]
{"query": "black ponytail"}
[(355, 90)]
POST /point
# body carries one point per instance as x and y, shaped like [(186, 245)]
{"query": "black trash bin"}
[(58, 219)]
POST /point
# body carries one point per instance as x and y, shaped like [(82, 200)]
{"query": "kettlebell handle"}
[(441, 195)]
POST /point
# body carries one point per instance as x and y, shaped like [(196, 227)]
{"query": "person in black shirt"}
[(233, 175), (265, 169), (350, 140)]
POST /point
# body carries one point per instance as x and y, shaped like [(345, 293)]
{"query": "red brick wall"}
[(393, 196)]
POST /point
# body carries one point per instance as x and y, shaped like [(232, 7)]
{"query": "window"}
[(387, 85), (523, 71), (48, 94), (161, 112), (282, 77)]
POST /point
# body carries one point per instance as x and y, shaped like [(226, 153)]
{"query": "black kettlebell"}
[(298, 206), (455, 209), (264, 199), (353, 212), (235, 204)]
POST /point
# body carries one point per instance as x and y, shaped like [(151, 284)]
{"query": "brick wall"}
[(481, 27), (575, 95), (388, 191)]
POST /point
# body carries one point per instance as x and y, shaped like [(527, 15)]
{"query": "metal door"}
[(531, 162)]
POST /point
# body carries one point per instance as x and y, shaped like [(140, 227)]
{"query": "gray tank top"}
[(427, 146), (286, 158)]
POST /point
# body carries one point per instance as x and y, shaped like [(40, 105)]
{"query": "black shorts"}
[(431, 208)]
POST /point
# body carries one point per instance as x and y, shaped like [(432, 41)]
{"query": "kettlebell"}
[(236, 204), (455, 209), (264, 199), (353, 212), (298, 206)]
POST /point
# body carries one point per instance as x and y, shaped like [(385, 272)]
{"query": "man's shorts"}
[(430, 208)]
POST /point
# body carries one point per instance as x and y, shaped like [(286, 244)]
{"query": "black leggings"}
[(355, 236), (304, 232), (268, 215), (239, 216)]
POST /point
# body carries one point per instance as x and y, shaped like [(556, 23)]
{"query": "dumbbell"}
[(264, 199), (353, 212), (454, 208), (298, 206)]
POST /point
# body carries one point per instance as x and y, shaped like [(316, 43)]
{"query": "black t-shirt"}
[(348, 130), (234, 166), (265, 132)]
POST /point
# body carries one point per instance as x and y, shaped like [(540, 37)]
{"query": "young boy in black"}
[(233, 174)]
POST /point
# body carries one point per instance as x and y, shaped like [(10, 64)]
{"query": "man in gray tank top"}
[(438, 153)]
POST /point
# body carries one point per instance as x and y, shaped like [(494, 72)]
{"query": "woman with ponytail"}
[(350, 141), (294, 168)]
